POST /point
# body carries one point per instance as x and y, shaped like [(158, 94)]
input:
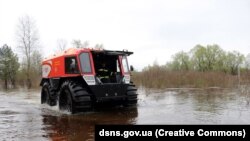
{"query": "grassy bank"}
[(21, 82), (159, 77)]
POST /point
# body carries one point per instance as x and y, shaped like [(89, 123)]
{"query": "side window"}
[(85, 63), (125, 64), (71, 66)]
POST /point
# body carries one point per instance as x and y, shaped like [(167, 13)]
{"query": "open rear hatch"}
[(113, 63)]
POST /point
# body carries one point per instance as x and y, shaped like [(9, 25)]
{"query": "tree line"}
[(9, 65), (202, 66), (12, 71), (209, 58)]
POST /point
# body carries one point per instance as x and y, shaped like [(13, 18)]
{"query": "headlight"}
[(90, 79), (126, 79)]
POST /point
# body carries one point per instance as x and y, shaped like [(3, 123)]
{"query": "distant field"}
[(162, 78)]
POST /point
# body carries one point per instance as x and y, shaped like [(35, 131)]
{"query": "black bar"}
[(171, 132), (113, 52)]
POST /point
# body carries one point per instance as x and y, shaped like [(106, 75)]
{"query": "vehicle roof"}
[(76, 51)]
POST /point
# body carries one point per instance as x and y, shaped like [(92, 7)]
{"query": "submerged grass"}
[(245, 92)]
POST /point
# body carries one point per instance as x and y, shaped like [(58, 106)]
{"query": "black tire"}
[(48, 95), (131, 100), (73, 97)]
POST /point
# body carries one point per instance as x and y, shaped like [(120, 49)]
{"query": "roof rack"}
[(114, 52)]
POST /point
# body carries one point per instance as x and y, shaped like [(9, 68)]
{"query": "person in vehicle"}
[(103, 73), (73, 66)]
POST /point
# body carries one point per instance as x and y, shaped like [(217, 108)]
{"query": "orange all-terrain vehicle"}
[(78, 79)]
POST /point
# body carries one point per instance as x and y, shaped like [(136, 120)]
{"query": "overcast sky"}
[(152, 29)]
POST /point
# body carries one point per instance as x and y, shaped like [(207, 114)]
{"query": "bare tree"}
[(61, 44), (36, 62), (247, 62), (27, 38), (99, 46), (77, 43), (85, 44)]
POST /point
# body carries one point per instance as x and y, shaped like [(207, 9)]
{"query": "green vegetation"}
[(209, 58), (13, 73), (208, 66), (202, 66), (8, 66)]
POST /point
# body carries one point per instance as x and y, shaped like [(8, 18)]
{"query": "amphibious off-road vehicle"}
[(72, 79)]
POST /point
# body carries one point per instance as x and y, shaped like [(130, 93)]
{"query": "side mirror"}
[(131, 68)]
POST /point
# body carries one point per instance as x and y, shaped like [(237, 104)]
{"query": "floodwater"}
[(22, 117)]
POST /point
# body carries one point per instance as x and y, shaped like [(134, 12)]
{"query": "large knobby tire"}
[(48, 95), (74, 97), (131, 100)]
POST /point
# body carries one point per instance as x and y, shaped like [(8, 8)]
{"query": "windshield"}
[(85, 63), (125, 64)]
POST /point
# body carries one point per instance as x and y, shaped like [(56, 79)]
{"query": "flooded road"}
[(22, 117)]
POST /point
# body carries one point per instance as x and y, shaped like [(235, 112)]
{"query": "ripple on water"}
[(8, 112)]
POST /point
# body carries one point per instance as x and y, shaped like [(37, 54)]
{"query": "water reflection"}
[(81, 126), (192, 106)]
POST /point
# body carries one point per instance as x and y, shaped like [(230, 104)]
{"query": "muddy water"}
[(22, 117)]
